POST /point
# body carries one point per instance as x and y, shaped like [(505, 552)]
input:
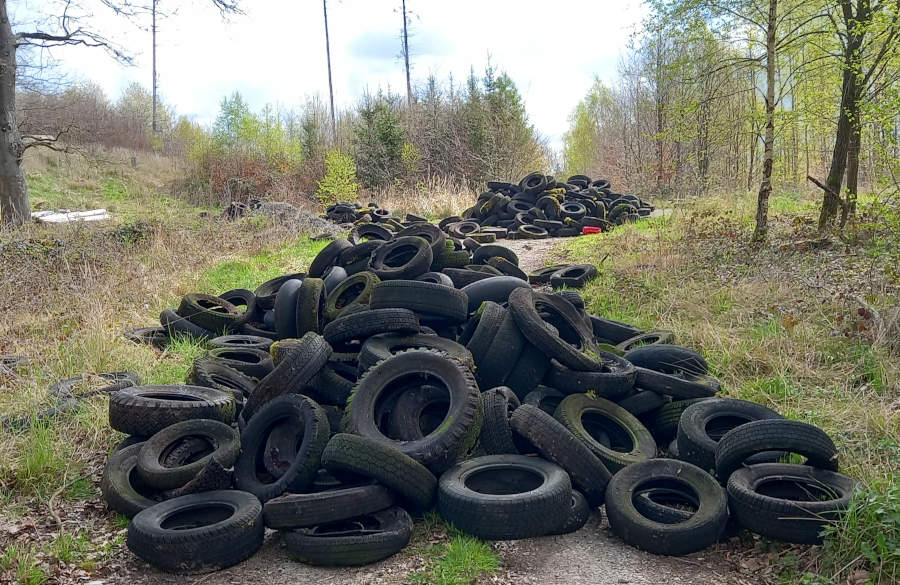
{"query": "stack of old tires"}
[(349, 213), (539, 206), (408, 384)]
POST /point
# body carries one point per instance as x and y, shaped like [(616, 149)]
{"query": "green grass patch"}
[(40, 466), (251, 272), (462, 560)]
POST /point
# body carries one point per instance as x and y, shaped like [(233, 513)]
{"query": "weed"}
[(461, 560), (21, 563)]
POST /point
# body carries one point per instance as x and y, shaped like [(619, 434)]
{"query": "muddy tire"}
[(146, 410)]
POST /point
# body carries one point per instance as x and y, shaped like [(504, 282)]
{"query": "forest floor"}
[(798, 326)]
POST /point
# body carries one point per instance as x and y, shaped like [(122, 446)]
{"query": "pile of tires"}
[(539, 206), (349, 213), (418, 378)]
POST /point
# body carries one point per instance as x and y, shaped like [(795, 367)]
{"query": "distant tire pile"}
[(331, 408), (349, 213), (539, 206)]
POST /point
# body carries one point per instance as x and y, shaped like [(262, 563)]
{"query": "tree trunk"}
[(765, 188), (754, 135), (849, 112), (330, 86), (853, 167), (14, 206)]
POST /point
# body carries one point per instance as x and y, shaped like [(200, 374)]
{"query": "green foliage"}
[(339, 182), (378, 141), (460, 561), (20, 562), (867, 537)]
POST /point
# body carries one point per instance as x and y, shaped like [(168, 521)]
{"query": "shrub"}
[(339, 182)]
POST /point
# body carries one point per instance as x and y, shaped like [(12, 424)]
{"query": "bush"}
[(339, 182)]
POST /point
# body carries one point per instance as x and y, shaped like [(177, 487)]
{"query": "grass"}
[(21, 564), (775, 335), (459, 559)]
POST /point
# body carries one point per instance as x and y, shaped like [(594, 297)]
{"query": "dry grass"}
[(436, 199)]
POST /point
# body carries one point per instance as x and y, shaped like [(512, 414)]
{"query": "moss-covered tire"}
[(631, 442), (347, 453)]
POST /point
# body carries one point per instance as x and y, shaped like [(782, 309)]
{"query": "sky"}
[(275, 52)]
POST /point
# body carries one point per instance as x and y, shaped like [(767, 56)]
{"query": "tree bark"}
[(853, 168), (849, 111), (14, 206), (765, 188)]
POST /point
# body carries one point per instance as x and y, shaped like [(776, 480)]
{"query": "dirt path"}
[(591, 556)]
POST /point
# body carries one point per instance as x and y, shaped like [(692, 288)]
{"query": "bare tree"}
[(67, 28), (406, 57), (330, 86)]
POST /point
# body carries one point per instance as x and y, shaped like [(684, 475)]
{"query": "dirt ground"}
[(590, 556)]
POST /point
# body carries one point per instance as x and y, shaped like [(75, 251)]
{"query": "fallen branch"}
[(845, 205)]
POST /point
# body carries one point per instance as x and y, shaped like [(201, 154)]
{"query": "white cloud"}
[(276, 52)]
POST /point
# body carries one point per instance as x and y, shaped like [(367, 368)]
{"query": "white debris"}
[(66, 216)]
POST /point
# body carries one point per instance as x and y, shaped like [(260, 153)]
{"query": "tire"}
[(177, 325), (574, 298), (364, 324), (241, 297), (385, 345), (613, 379), (417, 413), (507, 268), (613, 331), (436, 278), (240, 342), (146, 410), (360, 253), (363, 456), (523, 305), (528, 371), (579, 514), (533, 183), (267, 291), (496, 288), (790, 503), (542, 275), (432, 302), (198, 533), (666, 504), (532, 232), (496, 436), (575, 276), (486, 321), (356, 289), (286, 309), (642, 402), (157, 337), (328, 257), (372, 231), (703, 424), (463, 277), (678, 386), (544, 398), (299, 364), (556, 444), (210, 312), (309, 431), (333, 384), (485, 253), (223, 441), (669, 359), (333, 277), (783, 435), (363, 540), (623, 429), (255, 363), (310, 309), (427, 231), (648, 338), (402, 258), (123, 491), (213, 374), (498, 361), (695, 534), (664, 422), (505, 497), (456, 435), (573, 210)]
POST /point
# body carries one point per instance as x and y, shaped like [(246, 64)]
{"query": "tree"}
[(868, 32), (330, 86), (64, 26)]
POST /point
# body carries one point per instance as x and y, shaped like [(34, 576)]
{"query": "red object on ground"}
[(589, 229)]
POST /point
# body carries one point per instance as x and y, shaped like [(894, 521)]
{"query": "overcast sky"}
[(275, 53)]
